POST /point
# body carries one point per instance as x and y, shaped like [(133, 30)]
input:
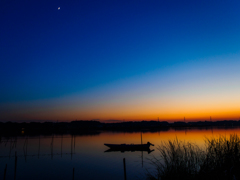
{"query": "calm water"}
[(54, 157)]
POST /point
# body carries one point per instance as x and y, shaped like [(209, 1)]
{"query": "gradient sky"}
[(132, 60)]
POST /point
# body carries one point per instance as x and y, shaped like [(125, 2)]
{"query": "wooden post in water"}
[(61, 144), (124, 167), (71, 145), (15, 168), (25, 148), (5, 172), (73, 174), (52, 147), (15, 141), (10, 148), (39, 147), (74, 143), (142, 151), (74, 140)]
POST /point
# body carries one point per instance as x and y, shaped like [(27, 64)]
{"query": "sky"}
[(119, 60)]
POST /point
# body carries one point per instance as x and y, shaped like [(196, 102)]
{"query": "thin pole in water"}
[(39, 147), (124, 167), (142, 151), (61, 144), (15, 168), (74, 141), (52, 147), (71, 146), (73, 174), (15, 141), (5, 172)]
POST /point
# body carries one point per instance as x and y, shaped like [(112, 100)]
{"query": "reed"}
[(184, 160), (222, 159), (178, 160)]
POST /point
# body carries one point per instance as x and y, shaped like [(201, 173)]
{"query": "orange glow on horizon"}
[(193, 90), (127, 112)]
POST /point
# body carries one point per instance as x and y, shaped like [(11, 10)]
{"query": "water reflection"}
[(54, 156), (122, 151)]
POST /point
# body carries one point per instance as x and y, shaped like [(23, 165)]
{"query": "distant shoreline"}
[(88, 127)]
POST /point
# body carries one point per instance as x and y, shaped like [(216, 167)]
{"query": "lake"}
[(55, 156)]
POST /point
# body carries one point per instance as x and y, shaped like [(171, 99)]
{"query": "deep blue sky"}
[(50, 53)]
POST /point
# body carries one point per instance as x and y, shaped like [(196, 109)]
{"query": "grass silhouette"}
[(184, 160)]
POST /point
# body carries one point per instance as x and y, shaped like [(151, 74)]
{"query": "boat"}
[(129, 147)]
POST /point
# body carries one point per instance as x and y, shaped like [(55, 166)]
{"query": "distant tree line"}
[(79, 126)]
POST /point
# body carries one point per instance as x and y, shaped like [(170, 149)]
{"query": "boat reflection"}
[(129, 147), (115, 150)]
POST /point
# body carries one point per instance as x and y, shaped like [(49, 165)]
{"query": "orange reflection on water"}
[(196, 136), (86, 144)]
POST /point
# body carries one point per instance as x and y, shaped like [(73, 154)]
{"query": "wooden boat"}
[(130, 147)]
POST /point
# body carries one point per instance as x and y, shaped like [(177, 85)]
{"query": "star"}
[(58, 8)]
